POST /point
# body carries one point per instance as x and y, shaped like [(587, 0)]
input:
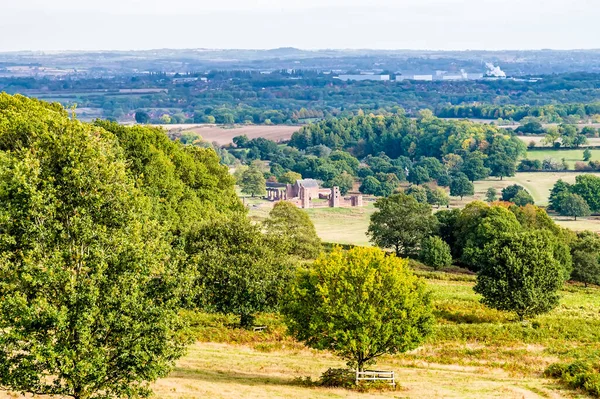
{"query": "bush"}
[(577, 375), (338, 378), (435, 253)]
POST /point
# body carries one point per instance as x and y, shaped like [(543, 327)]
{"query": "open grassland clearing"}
[(473, 352), (570, 155), (349, 225), (592, 141), (224, 134)]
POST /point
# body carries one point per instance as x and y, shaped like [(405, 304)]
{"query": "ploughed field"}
[(224, 134)]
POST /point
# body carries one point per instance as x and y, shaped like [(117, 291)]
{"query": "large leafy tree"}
[(461, 186), (573, 205), (253, 182), (291, 226), (83, 262), (401, 223), (585, 251), (519, 273), (473, 166), (588, 187), (360, 304), (238, 269), (560, 187)]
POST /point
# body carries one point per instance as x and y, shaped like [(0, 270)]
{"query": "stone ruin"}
[(306, 193)]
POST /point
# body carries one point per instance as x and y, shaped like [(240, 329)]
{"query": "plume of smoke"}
[(494, 70)]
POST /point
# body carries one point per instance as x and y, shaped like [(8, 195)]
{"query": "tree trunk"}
[(501, 177), (246, 320)]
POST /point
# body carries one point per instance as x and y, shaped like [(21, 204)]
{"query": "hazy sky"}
[(308, 24)]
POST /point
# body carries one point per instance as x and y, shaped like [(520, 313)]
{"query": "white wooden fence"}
[(372, 375)]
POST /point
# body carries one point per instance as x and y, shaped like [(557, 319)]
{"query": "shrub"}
[(435, 253), (338, 378), (577, 375)]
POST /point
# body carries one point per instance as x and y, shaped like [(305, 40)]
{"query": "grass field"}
[(570, 156), (592, 141), (473, 352)]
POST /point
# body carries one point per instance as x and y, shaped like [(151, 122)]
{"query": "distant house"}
[(304, 191)]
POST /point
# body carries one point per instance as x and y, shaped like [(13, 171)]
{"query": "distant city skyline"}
[(308, 24)]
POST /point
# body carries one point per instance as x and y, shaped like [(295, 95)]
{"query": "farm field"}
[(349, 225), (570, 156), (224, 135), (473, 352)]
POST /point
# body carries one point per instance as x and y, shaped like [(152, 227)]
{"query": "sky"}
[(308, 24)]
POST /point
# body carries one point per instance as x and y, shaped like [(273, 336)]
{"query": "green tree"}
[(587, 155), (585, 251), (401, 222), (461, 186), (523, 198), (418, 175), (491, 194), (291, 226), (560, 187), (573, 205), (370, 186), (501, 165), (520, 274), (509, 193), (417, 192), (238, 270), (360, 304), (142, 117), (437, 196), (435, 252), (241, 141), (473, 166), (84, 262), (344, 181), (253, 182), (478, 225), (588, 187), (290, 177)]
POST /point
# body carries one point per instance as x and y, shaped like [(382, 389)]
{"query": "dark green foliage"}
[(437, 196), (401, 223), (386, 311), (585, 251), (370, 185), (508, 193), (523, 198), (418, 193), (461, 186), (572, 205), (89, 283), (338, 378), (238, 269), (527, 165), (519, 273), (587, 154), (241, 141), (253, 182), (344, 181), (291, 227), (577, 375), (142, 117), (418, 175), (477, 226), (560, 187), (447, 228), (473, 166), (435, 252), (501, 165), (588, 187), (491, 194)]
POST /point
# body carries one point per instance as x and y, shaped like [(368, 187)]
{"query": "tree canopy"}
[(401, 223), (360, 304)]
